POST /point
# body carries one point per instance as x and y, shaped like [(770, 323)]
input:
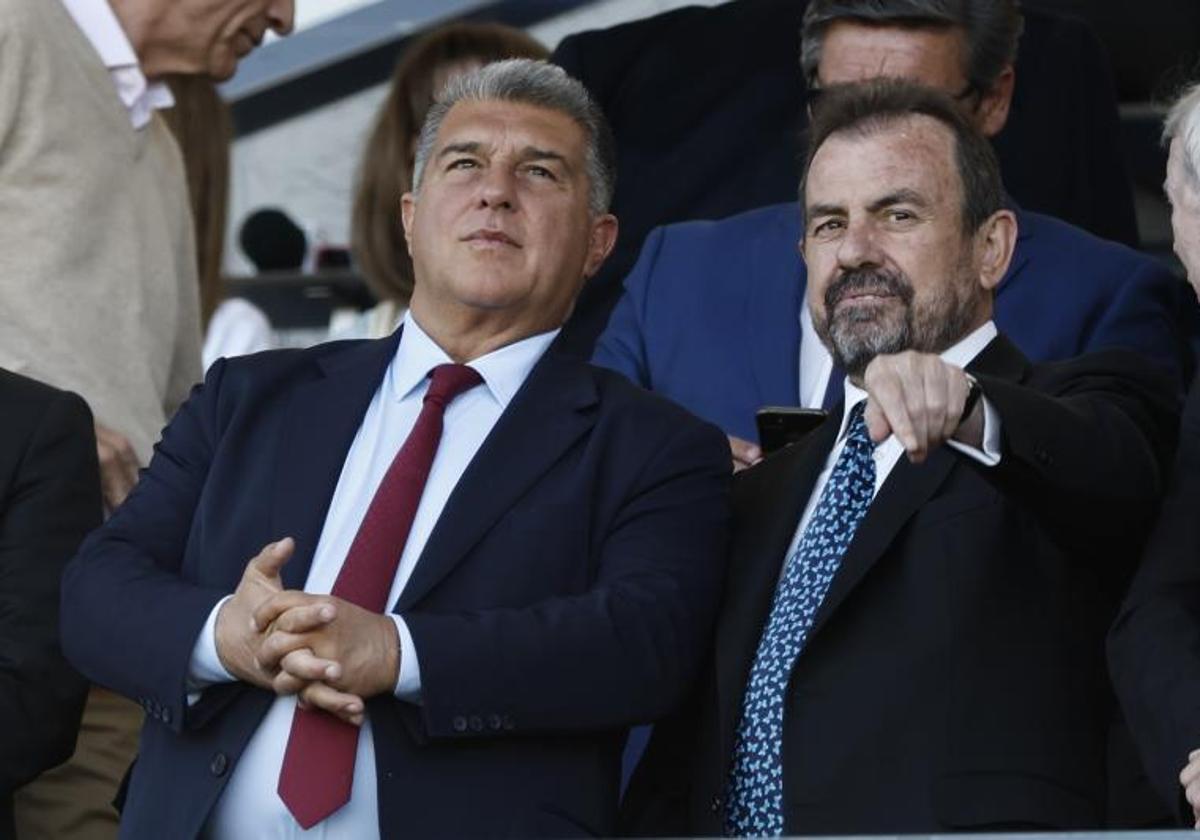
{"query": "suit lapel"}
[(776, 290), (768, 502), (322, 418), (906, 489), (550, 412)]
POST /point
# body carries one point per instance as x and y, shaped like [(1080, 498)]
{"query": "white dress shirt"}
[(816, 365), (887, 454), (250, 805), (101, 27)]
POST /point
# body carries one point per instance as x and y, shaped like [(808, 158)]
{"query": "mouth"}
[(490, 238), (863, 296)]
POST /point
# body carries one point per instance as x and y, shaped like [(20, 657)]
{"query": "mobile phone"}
[(779, 426)]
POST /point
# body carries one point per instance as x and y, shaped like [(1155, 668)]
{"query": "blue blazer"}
[(567, 591), (710, 313)]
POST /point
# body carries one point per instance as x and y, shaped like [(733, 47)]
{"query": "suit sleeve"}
[(54, 501), (622, 345), (1086, 450), (130, 620), (1154, 646), (625, 650)]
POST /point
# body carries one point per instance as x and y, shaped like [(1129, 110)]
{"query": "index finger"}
[(270, 560), (279, 603)]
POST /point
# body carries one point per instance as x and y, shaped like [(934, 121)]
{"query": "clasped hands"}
[(330, 652), (918, 397)]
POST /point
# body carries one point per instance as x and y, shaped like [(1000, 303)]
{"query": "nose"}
[(281, 16), (857, 247), (497, 188)]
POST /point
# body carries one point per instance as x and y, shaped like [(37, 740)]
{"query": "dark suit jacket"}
[(566, 592), (707, 106), (49, 499), (954, 677), (1154, 647), (710, 316)]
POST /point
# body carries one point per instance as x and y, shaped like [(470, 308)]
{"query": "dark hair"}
[(867, 107), (272, 241), (992, 27), (203, 128), (385, 171)]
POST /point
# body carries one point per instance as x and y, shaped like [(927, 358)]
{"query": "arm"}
[(52, 503), (130, 620), (622, 345)]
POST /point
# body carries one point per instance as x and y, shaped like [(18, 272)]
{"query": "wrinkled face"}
[(889, 265), (933, 57), (500, 228), (209, 37), (1184, 194)]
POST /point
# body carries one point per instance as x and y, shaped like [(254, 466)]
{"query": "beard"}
[(857, 334)]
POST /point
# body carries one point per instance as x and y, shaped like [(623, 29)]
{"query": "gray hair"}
[(1183, 121), (537, 83), (992, 27)]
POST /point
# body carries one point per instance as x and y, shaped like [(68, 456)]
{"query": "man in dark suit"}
[(1153, 645), (912, 633), (49, 499), (711, 306), (492, 616), (707, 103)]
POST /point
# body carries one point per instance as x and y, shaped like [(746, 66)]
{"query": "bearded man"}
[(913, 629)]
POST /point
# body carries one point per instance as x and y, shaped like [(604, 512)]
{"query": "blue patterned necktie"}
[(755, 784)]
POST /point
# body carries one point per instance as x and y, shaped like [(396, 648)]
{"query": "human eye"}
[(540, 172), (459, 164), (899, 215), (826, 227)]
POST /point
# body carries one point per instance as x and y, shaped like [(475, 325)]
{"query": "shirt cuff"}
[(205, 668), (408, 684), (989, 453)]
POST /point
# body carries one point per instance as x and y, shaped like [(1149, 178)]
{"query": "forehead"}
[(497, 126), (853, 51), (914, 153)]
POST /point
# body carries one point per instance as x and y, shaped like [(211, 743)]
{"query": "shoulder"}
[(1082, 255), (30, 405)]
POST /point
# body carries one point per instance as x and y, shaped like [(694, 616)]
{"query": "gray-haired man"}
[(483, 560)]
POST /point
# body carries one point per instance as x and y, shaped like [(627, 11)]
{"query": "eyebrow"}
[(526, 154), (901, 196)]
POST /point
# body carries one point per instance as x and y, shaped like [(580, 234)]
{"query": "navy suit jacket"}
[(710, 313), (566, 592)]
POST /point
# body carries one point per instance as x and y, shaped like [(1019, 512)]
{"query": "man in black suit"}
[(912, 634), (49, 499), (707, 104), (1154, 643)]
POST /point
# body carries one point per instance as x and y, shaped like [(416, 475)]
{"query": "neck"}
[(138, 20), (469, 336)]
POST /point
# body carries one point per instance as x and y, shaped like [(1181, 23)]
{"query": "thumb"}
[(877, 425), (271, 559)]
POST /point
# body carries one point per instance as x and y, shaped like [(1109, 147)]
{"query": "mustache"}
[(868, 281)]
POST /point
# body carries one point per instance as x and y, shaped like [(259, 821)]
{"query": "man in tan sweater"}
[(98, 288)]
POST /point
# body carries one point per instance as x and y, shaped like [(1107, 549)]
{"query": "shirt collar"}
[(103, 30), (960, 354), (503, 370)]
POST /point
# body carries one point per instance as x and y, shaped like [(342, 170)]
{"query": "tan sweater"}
[(98, 288)]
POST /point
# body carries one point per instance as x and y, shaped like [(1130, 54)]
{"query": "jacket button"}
[(476, 723), (1044, 457), (218, 765), (459, 723), (717, 804), (495, 722)]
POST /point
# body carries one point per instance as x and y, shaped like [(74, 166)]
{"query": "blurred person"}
[(202, 126), (1067, 292), (385, 171), (97, 255), (911, 639), (361, 579), (1154, 647), (49, 500)]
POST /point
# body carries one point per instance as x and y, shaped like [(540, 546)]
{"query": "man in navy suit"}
[(712, 314), (542, 540)]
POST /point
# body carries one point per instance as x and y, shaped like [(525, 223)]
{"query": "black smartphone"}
[(779, 425)]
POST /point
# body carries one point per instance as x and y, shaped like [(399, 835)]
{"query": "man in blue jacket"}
[(713, 314)]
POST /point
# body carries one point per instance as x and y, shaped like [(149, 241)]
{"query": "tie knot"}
[(448, 381), (856, 427)]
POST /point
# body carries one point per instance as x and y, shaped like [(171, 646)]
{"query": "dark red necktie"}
[(318, 766)]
